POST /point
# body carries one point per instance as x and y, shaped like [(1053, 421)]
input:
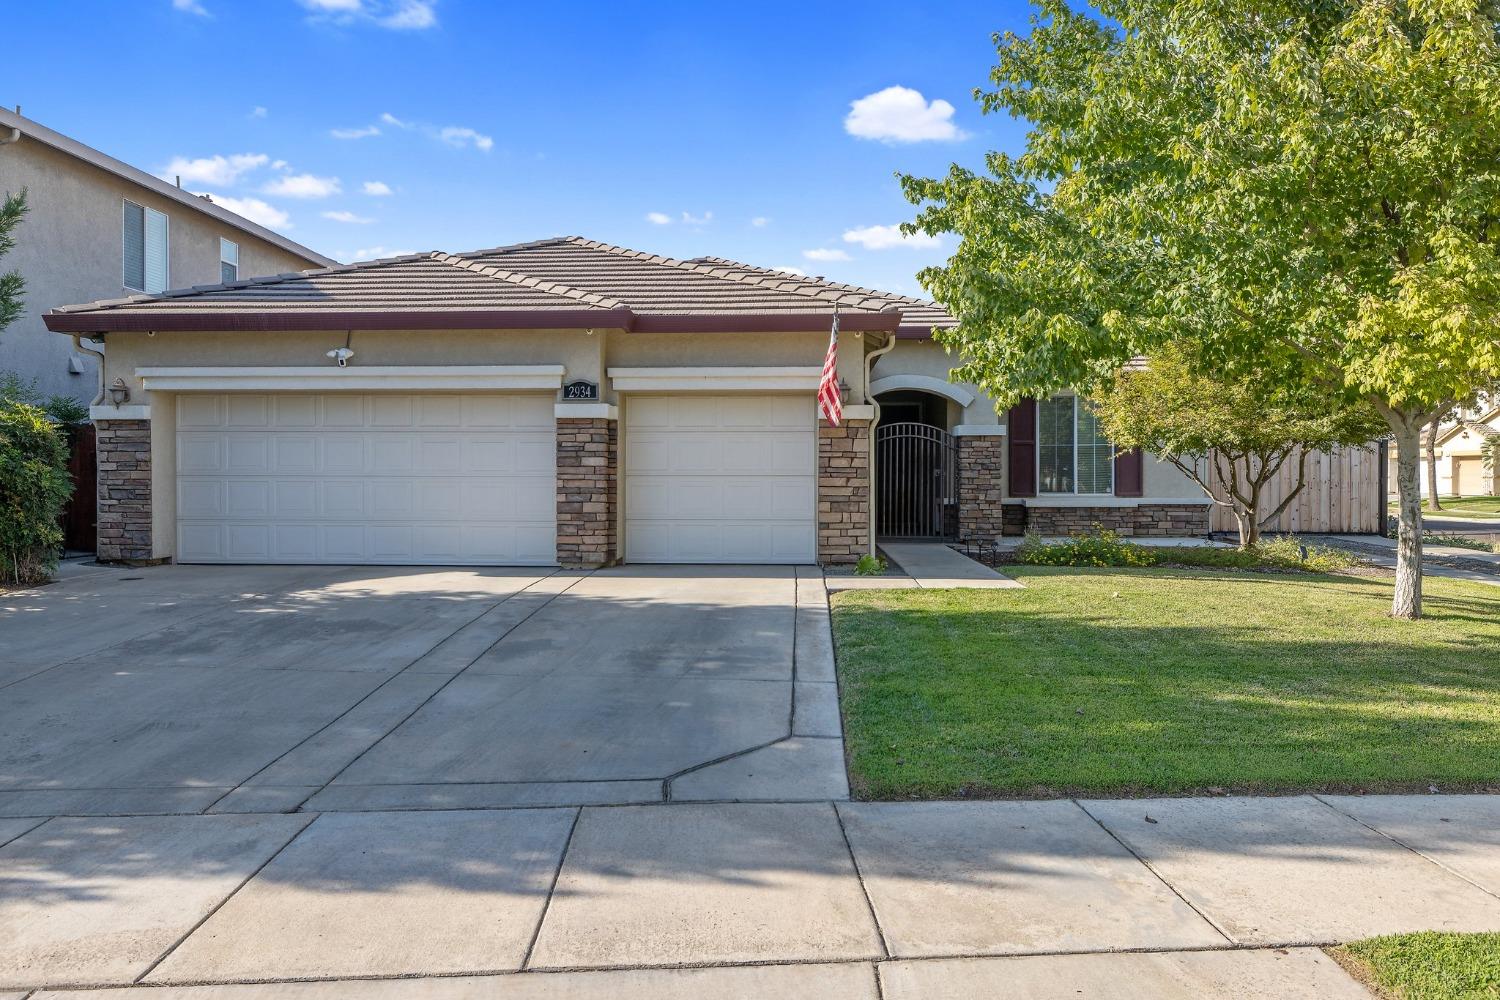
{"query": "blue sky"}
[(766, 133)]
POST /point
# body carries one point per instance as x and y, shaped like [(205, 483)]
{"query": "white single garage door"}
[(347, 478), (718, 479)]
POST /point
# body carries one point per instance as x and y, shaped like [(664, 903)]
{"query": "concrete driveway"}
[(183, 689)]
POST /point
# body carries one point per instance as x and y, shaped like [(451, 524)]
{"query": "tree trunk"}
[(1433, 503), (1408, 599), (1246, 525)]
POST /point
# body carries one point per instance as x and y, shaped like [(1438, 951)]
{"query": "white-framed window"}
[(1072, 453), (145, 244), (229, 261)]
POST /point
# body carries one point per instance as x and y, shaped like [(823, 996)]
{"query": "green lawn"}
[(1132, 681), (1477, 507), (1427, 966)]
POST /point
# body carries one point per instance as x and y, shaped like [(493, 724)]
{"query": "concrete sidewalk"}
[(1206, 898)]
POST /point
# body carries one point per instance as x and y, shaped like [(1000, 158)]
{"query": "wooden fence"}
[(79, 516), (1344, 495)]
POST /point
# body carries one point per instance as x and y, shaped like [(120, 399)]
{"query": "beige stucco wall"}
[(924, 357), (68, 248)]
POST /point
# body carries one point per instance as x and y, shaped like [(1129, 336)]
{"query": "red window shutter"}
[(1020, 434), (1130, 473)]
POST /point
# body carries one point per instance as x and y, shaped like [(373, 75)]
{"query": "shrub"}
[(34, 486), (1102, 548), (870, 565)]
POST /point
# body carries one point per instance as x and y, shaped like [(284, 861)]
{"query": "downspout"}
[(870, 360), (78, 344)]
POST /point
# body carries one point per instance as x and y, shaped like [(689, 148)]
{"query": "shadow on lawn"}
[(1088, 690)]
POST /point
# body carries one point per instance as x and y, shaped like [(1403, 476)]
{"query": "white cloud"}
[(760, 222), (219, 170), (374, 253), (697, 220), (346, 216), (391, 119), (190, 7), (362, 132), (824, 254), (659, 218), (255, 210), (377, 189), (885, 237), (304, 186), (258, 112), (457, 136), (900, 114), (280, 165), (789, 269), (397, 15), (409, 15)]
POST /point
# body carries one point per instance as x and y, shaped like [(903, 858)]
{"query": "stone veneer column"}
[(843, 491), (586, 489), (124, 484), (981, 482)]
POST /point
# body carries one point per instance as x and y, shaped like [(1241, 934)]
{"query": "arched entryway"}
[(916, 466)]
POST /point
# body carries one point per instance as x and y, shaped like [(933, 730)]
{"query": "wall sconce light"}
[(119, 392), (843, 391)]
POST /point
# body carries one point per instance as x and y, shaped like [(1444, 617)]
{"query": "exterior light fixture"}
[(119, 392), (843, 390)]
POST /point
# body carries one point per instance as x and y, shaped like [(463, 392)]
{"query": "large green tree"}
[(1306, 193)]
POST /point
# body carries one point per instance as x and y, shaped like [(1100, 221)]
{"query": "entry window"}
[(1073, 455), (144, 242), (229, 261)]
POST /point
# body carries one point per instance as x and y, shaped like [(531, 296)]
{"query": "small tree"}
[(12, 211), (34, 486), (1239, 432)]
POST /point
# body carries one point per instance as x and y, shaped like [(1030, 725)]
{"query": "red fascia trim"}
[(107, 321)]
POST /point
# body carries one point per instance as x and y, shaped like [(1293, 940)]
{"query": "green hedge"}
[(34, 486), (1107, 548)]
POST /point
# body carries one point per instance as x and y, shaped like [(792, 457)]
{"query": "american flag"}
[(829, 402)]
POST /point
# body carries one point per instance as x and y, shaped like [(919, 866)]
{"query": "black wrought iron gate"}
[(916, 475)]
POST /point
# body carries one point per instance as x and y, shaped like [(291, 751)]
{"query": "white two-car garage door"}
[(380, 478), (718, 479)]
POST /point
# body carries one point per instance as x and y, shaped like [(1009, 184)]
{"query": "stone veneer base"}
[(123, 450), (587, 475), (1147, 520), (843, 491)]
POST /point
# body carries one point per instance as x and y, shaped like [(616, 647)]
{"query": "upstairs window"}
[(145, 246), (1073, 455), (229, 261)]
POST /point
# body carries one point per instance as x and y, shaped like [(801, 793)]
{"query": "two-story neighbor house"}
[(98, 227)]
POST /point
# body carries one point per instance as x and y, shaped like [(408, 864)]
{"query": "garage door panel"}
[(295, 498), (720, 479), (195, 412), (247, 498), (294, 412), (291, 454), (350, 478), (248, 411)]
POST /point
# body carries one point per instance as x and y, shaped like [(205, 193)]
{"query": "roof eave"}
[(764, 322), (140, 321)]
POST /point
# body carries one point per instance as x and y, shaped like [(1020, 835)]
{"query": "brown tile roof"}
[(566, 281)]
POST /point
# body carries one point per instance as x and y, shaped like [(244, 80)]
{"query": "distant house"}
[(98, 227), (1461, 445)]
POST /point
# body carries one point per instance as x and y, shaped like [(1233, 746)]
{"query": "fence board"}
[(1340, 496)]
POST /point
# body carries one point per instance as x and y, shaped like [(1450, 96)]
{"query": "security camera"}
[(341, 355)]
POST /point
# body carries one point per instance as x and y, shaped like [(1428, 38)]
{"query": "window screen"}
[(134, 247), (1054, 441), (1096, 457), (156, 251), (229, 261)]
